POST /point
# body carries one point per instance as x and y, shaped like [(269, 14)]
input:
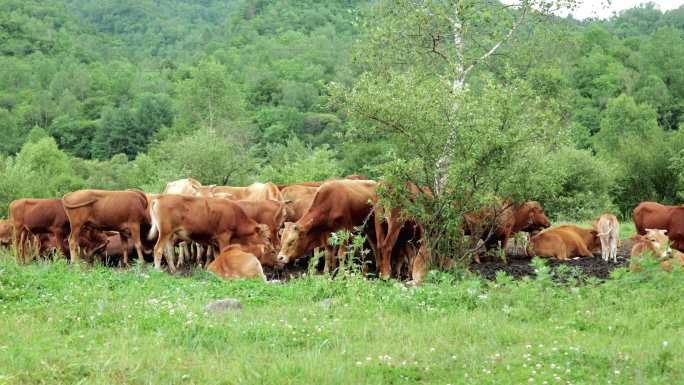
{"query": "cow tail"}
[(154, 219)]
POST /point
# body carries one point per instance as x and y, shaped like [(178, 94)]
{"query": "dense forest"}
[(117, 94)]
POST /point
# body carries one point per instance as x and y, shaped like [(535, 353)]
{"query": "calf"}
[(654, 242), (6, 231), (608, 229), (234, 263)]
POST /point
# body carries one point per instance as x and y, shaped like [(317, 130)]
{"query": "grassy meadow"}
[(62, 324)]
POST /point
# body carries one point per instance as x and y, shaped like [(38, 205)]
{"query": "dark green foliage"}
[(141, 92)]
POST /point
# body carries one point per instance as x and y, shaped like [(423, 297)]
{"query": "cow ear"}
[(636, 237)]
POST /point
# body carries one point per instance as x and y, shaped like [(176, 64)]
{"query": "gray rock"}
[(327, 303), (224, 305)]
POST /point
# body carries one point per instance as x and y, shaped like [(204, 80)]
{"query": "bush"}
[(586, 183), (295, 162)]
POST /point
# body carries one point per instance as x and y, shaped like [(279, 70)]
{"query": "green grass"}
[(62, 324)]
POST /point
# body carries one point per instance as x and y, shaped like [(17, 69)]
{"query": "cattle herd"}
[(235, 231)]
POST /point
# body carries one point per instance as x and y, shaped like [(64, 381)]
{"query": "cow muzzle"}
[(283, 259)]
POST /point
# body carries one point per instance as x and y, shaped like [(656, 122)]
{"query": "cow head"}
[(268, 252), (654, 240), (204, 191), (595, 242), (93, 242), (659, 240), (6, 230), (292, 243), (535, 217)]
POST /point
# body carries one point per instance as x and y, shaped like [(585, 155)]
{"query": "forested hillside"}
[(118, 94)]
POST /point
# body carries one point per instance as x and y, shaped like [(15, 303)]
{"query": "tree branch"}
[(496, 46)]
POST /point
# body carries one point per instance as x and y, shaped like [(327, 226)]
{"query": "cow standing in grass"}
[(212, 221), (337, 205), (123, 211), (608, 229)]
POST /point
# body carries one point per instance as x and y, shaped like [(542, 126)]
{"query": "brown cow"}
[(497, 225), (651, 215), (234, 263), (337, 205), (36, 216), (214, 221), (268, 212), (297, 199), (390, 225), (317, 184), (6, 231), (122, 211), (564, 242)]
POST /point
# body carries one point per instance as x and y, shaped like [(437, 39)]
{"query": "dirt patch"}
[(518, 264)]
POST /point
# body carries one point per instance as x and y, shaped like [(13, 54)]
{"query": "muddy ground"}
[(517, 265)]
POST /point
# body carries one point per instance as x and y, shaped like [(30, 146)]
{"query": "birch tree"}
[(427, 82)]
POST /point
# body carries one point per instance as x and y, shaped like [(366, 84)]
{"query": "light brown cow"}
[(122, 211), (297, 199), (255, 191), (213, 221), (337, 205), (608, 229), (651, 215), (564, 242), (268, 212), (654, 242), (235, 263), (186, 186), (495, 226), (6, 231), (36, 216)]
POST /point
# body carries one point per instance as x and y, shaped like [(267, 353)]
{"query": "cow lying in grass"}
[(564, 242), (235, 263)]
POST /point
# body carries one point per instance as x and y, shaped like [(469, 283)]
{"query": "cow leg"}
[(613, 249), (59, 239), (124, 244), (342, 255), (379, 235), (135, 233), (19, 246), (419, 266), (35, 249), (73, 243), (199, 250), (159, 248), (183, 253), (329, 265)]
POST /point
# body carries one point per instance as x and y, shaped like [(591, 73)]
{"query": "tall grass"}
[(62, 324)]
